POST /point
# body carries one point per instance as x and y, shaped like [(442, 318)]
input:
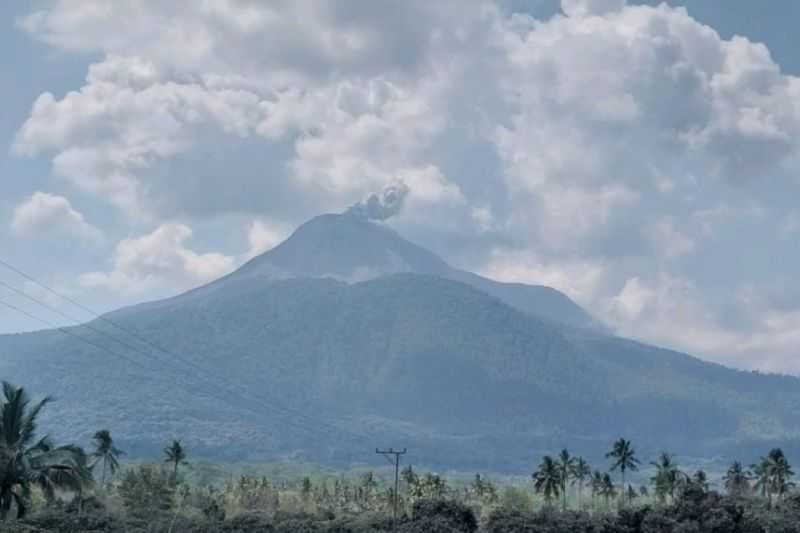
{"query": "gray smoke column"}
[(382, 205)]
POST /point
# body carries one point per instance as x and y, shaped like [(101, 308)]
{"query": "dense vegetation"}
[(412, 359), (48, 488)]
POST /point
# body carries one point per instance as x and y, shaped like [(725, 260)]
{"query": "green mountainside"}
[(284, 358)]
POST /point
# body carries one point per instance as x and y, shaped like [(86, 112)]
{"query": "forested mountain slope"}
[(286, 358)]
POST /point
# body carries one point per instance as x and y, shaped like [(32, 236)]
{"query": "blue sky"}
[(641, 158)]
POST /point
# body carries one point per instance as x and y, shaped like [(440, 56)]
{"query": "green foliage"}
[(147, 491), (427, 487), (624, 460), (312, 344), (516, 499), (175, 454), (105, 453), (441, 515), (668, 477), (547, 480), (694, 508), (26, 462), (737, 480)]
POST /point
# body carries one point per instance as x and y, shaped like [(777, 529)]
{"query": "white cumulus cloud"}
[(49, 214), (599, 151), (159, 259)]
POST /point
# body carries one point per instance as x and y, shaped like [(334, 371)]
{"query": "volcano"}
[(347, 336)]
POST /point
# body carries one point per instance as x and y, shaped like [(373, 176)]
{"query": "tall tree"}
[(547, 479), (597, 487), (581, 472), (668, 477), (175, 454), (25, 461), (107, 453), (624, 458), (566, 467), (762, 476), (737, 480), (780, 472), (607, 489)]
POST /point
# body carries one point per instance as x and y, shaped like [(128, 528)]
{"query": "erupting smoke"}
[(383, 205)]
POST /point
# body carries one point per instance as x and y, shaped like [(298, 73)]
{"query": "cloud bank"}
[(625, 154)]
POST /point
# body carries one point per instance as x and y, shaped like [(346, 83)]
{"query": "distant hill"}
[(347, 336)]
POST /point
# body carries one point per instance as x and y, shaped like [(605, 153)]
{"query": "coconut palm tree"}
[(566, 467), (668, 477), (607, 489), (762, 476), (107, 453), (580, 473), (547, 479), (26, 462), (597, 487), (632, 493), (737, 480), (624, 457), (175, 453), (780, 472)]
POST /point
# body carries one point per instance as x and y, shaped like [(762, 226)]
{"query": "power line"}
[(105, 349), (138, 364), (70, 333), (210, 375)]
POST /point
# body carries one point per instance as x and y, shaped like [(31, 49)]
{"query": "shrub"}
[(443, 514), (147, 491)]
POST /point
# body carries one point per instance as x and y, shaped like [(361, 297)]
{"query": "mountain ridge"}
[(451, 370), (324, 247)]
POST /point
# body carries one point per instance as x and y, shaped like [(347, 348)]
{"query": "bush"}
[(452, 516), (516, 499), (430, 524), (249, 522), (147, 491)]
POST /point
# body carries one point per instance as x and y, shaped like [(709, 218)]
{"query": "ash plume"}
[(382, 205)]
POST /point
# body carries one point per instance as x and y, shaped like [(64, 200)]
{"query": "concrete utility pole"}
[(396, 462)]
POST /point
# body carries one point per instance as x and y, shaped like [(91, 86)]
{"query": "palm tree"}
[(105, 451), (780, 472), (773, 474), (607, 488), (762, 476), (25, 462), (632, 493), (566, 467), (597, 487), (737, 480), (668, 477), (580, 473), (175, 453), (547, 479), (624, 458)]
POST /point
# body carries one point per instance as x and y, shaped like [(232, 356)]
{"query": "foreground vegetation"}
[(49, 488)]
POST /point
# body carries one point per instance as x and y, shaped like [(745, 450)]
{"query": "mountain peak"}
[(351, 248), (346, 247)]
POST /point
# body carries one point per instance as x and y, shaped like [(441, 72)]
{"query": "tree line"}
[(33, 467), (770, 477)]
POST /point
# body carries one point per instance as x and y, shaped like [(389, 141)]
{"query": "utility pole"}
[(396, 462)]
